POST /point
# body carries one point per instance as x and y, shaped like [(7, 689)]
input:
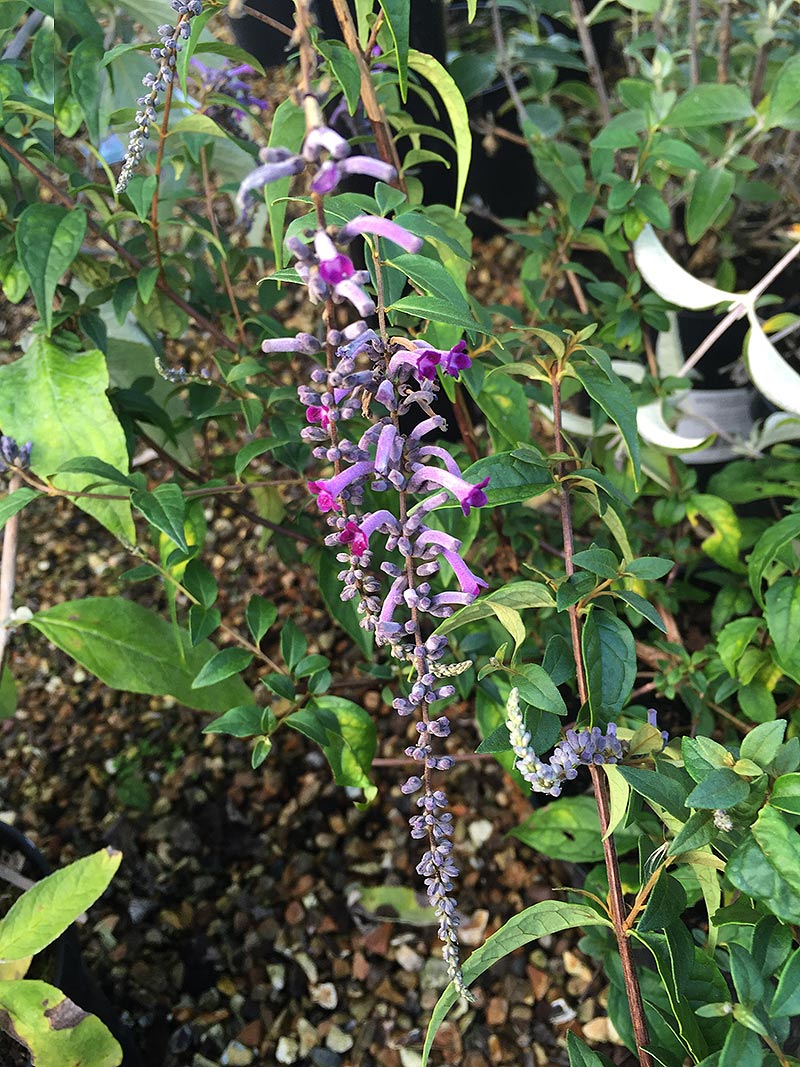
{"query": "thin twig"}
[(504, 67), (121, 250), (759, 73), (279, 26), (724, 38), (694, 60), (590, 58), (226, 278), (8, 572), (23, 35)]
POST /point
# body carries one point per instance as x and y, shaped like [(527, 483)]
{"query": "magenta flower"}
[(326, 501), (362, 224), (470, 583), (457, 359), (451, 362), (354, 536), (328, 491), (315, 413), (468, 495), (336, 269), (427, 364), (331, 173)]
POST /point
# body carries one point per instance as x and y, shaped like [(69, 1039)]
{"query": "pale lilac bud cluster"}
[(580, 748), (13, 456), (172, 38)]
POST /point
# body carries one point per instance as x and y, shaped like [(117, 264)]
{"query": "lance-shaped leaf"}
[(456, 109), (48, 238), (546, 917)]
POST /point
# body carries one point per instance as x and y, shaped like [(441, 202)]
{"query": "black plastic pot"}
[(69, 971)]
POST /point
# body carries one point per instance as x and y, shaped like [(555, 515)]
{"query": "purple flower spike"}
[(362, 224)]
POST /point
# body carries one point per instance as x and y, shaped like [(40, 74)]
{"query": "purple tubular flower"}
[(305, 343), (362, 224), (323, 138), (468, 495), (370, 167), (278, 164), (470, 584), (333, 487)]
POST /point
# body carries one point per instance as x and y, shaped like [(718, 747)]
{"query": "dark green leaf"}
[(599, 561), (656, 787), (580, 1055), (104, 471), (762, 743), (511, 479), (11, 503), (345, 733), (742, 1047), (243, 721), (225, 663), (746, 976), (666, 903), (281, 685), (786, 1000), (433, 309), (710, 105), (293, 644), (610, 658), (48, 239), (202, 622), (164, 508), (772, 943), (649, 567), (644, 607), (200, 582), (786, 793), (536, 688), (771, 542), (569, 829), (85, 77), (720, 789), (261, 750), (613, 396), (260, 614), (697, 831)]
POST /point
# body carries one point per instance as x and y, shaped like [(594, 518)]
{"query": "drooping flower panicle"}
[(172, 38), (370, 375)]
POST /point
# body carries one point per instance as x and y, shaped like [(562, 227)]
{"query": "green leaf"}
[(164, 508), (11, 503), (656, 787), (569, 829), (782, 612), (245, 721), (131, 648), (517, 596), (721, 789), (86, 75), (536, 688), (766, 865), (107, 474), (697, 831), (56, 399), (56, 1032), (456, 109), (580, 1055), (666, 903), (513, 477), (396, 903), (742, 1047), (293, 644), (397, 13), (8, 695), (785, 94), (786, 792), (733, 639), (644, 607), (710, 105), (48, 238), (599, 561), (200, 582), (613, 396), (766, 549), (710, 194), (610, 658), (434, 309), (287, 131), (344, 67), (747, 980), (432, 278), (345, 733), (546, 917), (226, 662), (786, 1000), (197, 123), (202, 622), (260, 614), (762, 743), (44, 912)]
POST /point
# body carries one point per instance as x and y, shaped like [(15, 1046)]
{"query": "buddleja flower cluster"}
[(172, 38), (370, 375), (580, 748)]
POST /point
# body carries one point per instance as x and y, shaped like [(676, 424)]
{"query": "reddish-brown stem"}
[(226, 278), (8, 571), (615, 893), (162, 140), (590, 57), (121, 250), (279, 26), (694, 59), (465, 427)]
